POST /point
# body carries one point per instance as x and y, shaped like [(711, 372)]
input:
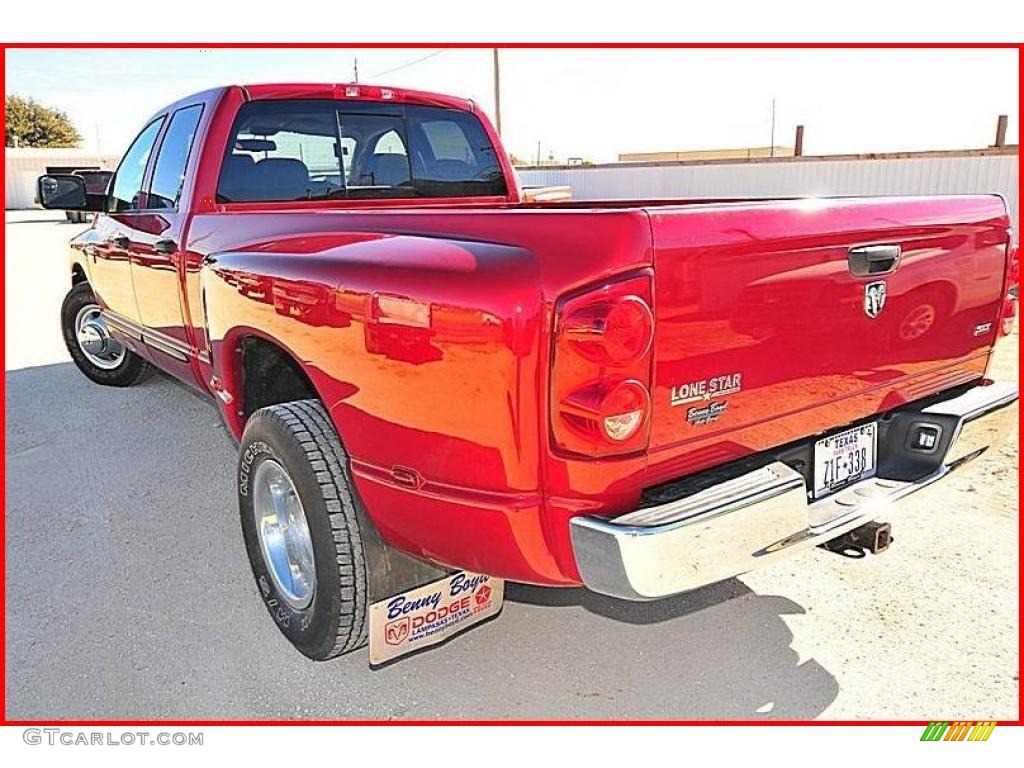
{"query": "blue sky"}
[(586, 103)]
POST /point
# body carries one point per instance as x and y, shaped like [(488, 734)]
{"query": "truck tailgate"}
[(780, 320)]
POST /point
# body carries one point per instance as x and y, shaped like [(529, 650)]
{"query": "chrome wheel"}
[(284, 534), (95, 341)]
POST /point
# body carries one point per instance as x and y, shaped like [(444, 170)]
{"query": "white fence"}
[(946, 174)]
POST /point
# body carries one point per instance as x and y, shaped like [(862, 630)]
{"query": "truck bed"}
[(404, 311)]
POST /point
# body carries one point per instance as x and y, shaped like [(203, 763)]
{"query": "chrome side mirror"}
[(62, 191)]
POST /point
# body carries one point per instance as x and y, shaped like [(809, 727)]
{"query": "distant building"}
[(740, 153)]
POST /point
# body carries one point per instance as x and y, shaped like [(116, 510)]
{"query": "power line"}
[(409, 63)]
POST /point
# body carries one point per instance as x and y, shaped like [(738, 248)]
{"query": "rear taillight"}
[(1011, 289), (614, 331), (1009, 318), (600, 393)]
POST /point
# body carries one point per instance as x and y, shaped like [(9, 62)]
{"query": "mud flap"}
[(428, 615), (416, 604)]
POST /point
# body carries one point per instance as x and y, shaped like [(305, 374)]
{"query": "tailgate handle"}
[(874, 259)]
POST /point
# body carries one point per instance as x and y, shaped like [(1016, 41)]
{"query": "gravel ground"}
[(129, 595)]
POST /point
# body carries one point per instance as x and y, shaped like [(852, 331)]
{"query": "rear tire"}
[(103, 366), (287, 451)]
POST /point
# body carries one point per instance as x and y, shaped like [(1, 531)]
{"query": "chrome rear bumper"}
[(763, 515)]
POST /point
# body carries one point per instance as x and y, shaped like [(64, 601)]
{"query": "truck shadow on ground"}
[(653, 612), (132, 493), (722, 651)]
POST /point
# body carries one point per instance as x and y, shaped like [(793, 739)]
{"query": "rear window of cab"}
[(328, 150)]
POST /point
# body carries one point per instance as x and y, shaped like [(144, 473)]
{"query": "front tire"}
[(96, 353), (300, 521)]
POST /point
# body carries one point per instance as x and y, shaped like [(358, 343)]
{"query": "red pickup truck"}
[(642, 397)]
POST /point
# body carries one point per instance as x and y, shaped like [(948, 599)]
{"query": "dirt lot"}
[(129, 595)]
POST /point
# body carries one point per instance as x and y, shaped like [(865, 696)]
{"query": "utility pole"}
[(497, 92), (355, 70), (771, 151), (538, 151), (1001, 131)]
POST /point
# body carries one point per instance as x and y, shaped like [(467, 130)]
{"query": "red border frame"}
[(304, 45)]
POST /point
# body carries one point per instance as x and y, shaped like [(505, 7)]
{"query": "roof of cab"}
[(353, 92), (340, 91)]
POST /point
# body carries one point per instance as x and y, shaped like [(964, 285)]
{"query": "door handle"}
[(119, 241), (166, 247), (874, 259)]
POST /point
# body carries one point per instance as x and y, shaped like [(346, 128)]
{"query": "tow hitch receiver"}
[(873, 537)]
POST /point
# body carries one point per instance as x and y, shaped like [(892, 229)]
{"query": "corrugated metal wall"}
[(890, 176), (23, 166)]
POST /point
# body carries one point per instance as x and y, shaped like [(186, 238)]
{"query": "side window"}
[(283, 150), (169, 171), (127, 192)]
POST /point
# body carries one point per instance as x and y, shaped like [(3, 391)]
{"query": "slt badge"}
[(874, 298)]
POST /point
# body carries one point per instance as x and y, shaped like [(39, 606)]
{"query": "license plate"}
[(844, 458)]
